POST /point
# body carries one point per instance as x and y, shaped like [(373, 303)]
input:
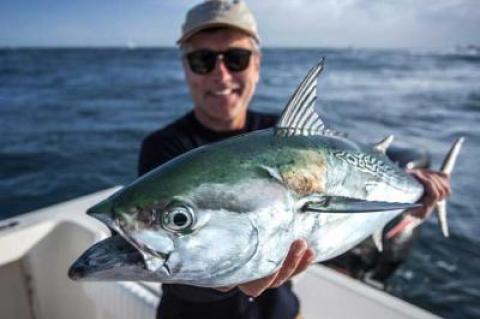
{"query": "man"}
[(221, 61)]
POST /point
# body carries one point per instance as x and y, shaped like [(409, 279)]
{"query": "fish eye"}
[(178, 218)]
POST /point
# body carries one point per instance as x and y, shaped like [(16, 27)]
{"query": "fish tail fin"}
[(447, 167)]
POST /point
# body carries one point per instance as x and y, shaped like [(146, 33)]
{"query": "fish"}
[(226, 213)]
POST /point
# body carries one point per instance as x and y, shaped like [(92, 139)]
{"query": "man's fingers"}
[(428, 185), (439, 186), (299, 257), (256, 287), (408, 222), (444, 182), (225, 289), (294, 257), (306, 261), (435, 183), (436, 186)]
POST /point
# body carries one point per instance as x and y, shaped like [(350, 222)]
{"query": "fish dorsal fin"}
[(299, 116), (384, 144)]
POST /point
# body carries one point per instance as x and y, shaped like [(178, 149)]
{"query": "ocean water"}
[(72, 120)]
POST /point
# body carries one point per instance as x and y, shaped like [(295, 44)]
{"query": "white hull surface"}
[(36, 250)]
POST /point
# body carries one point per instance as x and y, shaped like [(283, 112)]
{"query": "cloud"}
[(406, 23), (305, 23)]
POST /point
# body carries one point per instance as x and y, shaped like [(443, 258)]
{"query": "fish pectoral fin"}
[(341, 204)]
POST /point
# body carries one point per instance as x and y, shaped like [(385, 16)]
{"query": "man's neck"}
[(238, 123)]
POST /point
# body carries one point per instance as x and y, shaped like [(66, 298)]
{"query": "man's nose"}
[(220, 70)]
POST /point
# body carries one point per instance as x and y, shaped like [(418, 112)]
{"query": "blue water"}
[(71, 123)]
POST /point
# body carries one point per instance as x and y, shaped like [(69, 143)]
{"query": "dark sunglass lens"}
[(237, 59), (201, 61)]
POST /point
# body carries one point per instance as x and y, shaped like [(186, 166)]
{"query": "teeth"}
[(222, 92)]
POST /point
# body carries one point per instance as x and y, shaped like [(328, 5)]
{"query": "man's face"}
[(222, 96)]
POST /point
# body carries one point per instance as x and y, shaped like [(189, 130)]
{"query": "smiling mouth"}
[(223, 92), (226, 91)]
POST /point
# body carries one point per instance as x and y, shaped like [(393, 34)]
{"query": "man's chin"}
[(216, 111), (225, 119), (225, 101), (226, 111)]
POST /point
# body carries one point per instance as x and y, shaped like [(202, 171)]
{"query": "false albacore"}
[(227, 213)]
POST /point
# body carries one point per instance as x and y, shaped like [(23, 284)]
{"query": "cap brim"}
[(193, 31)]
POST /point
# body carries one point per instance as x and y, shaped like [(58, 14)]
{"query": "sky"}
[(425, 24)]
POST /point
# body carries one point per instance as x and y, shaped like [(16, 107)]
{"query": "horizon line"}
[(174, 47)]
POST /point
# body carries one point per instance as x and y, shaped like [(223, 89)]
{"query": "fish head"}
[(190, 222), (197, 236), (186, 242)]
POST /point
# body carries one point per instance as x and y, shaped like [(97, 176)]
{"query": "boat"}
[(37, 248)]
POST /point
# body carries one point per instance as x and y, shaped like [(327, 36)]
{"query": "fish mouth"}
[(116, 259), (122, 256)]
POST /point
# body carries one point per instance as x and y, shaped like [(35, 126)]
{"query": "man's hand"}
[(437, 187), (298, 259)]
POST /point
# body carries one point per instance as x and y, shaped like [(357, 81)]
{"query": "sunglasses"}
[(203, 61)]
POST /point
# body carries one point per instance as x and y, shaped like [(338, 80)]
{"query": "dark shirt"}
[(182, 301)]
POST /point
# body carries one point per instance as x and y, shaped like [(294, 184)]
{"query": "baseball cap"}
[(219, 13)]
